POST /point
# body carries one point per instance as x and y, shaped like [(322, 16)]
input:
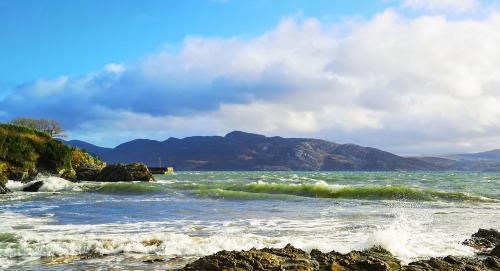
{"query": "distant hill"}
[(245, 151), (90, 148), (487, 155), (457, 163)]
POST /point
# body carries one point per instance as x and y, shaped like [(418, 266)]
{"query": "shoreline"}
[(485, 242)]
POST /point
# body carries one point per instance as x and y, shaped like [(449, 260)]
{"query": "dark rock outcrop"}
[(87, 173), (484, 240), (86, 166), (125, 173), (450, 263), (495, 251), (34, 187), (291, 258)]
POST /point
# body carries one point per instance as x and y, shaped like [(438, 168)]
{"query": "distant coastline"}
[(252, 152)]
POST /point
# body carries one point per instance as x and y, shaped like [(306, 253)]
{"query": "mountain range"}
[(246, 151)]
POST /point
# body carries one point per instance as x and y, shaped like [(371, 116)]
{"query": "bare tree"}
[(51, 127)]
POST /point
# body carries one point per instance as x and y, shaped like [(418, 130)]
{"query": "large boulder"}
[(87, 173), (86, 166), (125, 173), (34, 187)]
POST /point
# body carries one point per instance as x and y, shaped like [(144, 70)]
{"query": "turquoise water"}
[(191, 214)]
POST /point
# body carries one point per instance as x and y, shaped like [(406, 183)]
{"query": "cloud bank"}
[(424, 84)]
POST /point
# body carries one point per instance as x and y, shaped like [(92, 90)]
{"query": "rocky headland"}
[(486, 242), (26, 153)]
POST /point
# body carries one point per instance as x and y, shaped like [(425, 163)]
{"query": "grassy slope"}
[(24, 150)]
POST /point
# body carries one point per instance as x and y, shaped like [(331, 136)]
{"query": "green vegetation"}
[(25, 151), (51, 127), (82, 159)]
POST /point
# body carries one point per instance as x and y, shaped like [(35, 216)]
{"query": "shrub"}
[(56, 156)]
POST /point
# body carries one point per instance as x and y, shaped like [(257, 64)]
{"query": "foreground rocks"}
[(291, 258), (34, 187), (374, 259), (485, 241), (125, 173)]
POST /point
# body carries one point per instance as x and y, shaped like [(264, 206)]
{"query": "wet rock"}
[(125, 173), (496, 251), (454, 263), (152, 242), (291, 258), (86, 166), (484, 240), (374, 259), (151, 260), (34, 187), (56, 260), (87, 173)]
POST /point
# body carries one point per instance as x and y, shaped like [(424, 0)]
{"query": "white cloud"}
[(114, 68), (44, 87), (412, 85), (459, 6)]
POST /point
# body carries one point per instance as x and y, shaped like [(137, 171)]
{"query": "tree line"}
[(51, 127)]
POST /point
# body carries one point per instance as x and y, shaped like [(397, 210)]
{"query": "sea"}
[(181, 217)]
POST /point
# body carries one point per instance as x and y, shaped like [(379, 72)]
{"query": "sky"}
[(413, 77)]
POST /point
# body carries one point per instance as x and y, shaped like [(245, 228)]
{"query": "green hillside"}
[(25, 152)]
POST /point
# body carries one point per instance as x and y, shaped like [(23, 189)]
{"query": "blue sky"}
[(51, 35), (408, 76)]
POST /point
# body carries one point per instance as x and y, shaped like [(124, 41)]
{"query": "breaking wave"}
[(323, 190), (50, 184)]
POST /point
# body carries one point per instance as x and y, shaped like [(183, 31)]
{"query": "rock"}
[(87, 173), (152, 242), (484, 240), (374, 259), (154, 259), (34, 187), (288, 258), (291, 258), (86, 166), (125, 173), (450, 263), (496, 251)]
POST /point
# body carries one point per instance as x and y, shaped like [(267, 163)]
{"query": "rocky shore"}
[(486, 242)]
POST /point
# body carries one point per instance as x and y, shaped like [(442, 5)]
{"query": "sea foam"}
[(50, 184)]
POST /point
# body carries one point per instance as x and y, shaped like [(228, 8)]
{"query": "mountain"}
[(90, 148), (456, 163), (487, 155), (245, 151)]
